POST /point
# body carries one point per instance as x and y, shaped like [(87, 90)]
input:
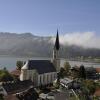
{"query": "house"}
[(42, 72), (9, 88), (69, 84), (65, 82), (29, 94), (98, 70), (91, 73), (55, 95), (18, 90)]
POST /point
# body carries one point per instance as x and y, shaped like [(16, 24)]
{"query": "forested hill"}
[(26, 44)]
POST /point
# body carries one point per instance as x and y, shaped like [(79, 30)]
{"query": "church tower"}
[(56, 60)]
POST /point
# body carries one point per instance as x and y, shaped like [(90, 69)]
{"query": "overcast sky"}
[(43, 17)]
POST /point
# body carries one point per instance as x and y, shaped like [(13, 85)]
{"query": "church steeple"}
[(56, 60), (57, 46)]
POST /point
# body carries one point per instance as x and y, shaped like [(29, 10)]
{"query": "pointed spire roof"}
[(57, 45)]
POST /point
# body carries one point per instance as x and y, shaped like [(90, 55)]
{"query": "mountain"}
[(27, 44)]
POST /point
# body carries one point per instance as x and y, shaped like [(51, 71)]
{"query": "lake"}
[(10, 62)]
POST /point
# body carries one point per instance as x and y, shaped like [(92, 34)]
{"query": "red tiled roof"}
[(98, 70), (97, 92), (16, 72)]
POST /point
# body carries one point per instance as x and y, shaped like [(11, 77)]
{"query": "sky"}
[(44, 17)]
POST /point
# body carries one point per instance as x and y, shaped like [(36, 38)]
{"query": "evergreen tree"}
[(82, 72)]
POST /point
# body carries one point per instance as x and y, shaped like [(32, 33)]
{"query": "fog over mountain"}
[(85, 39), (72, 45)]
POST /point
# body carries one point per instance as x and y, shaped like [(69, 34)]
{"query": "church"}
[(42, 72)]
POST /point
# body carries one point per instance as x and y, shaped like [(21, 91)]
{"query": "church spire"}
[(56, 60), (57, 45)]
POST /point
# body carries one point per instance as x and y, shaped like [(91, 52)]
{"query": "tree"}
[(58, 80), (5, 68), (96, 98), (61, 73), (5, 76), (59, 76), (19, 64), (75, 72), (1, 97), (90, 85), (67, 68), (82, 72)]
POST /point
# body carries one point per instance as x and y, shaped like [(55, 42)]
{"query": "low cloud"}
[(85, 39)]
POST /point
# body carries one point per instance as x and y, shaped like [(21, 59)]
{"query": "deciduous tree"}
[(67, 68), (19, 64)]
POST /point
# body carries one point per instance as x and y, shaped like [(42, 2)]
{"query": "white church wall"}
[(47, 78), (42, 79), (28, 74), (23, 75), (54, 76), (38, 80), (33, 75), (42, 83)]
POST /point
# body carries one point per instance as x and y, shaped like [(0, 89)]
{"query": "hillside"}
[(27, 44)]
